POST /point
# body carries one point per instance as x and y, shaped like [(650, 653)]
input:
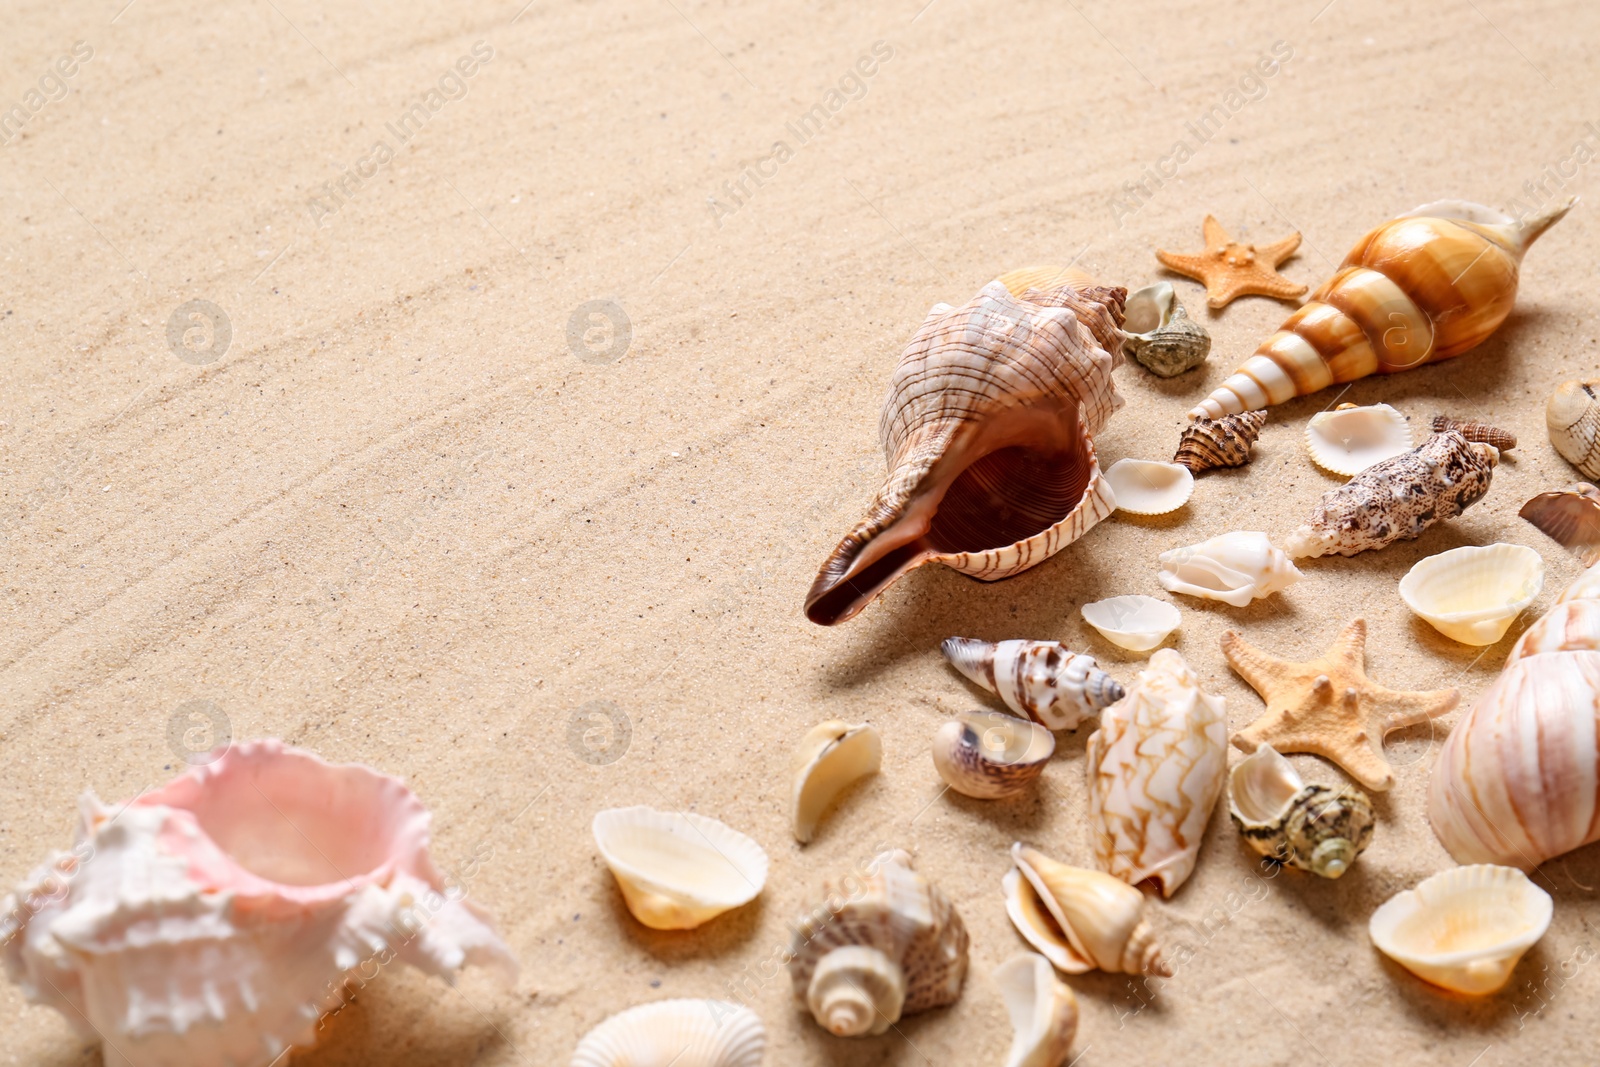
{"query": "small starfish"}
[(1230, 269), (1329, 707)]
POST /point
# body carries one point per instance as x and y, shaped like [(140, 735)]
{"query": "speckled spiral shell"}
[(1481, 432), (1225, 442), (987, 430), (1397, 499), (1042, 680), (1313, 827), (1572, 416), (1424, 287)]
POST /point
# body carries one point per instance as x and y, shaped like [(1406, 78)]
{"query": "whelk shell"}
[(831, 757), (1160, 335), (1147, 487), (1573, 418), (1207, 444), (1079, 919), (1472, 594), (1570, 517), (1312, 827), (1043, 1011), (990, 755), (1465, 928), (677, 870), (987, 431), (1234, 568), (676, 1033), (1135, 622), (1348, 439), (1044, 680), (1481, 432)]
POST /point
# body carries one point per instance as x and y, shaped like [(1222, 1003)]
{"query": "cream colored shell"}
[(832, 756), (1472, 594), (1349, 439), (1043, 1011), (1234, 568), (676, 1033), (678, 870), (1079, 919), (990, 755), (1135, 622), (1572, 416), (1149, 487)]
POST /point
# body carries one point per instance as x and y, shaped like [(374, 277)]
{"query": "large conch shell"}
[(987, 431), (1044, 680), (211, 922), (878, 947), (1427, 286), (1043, 1011), (676, 1033), (677, 869), (1080, 920), (1156, 767)]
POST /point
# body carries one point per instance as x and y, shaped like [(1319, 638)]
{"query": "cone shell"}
[(1134, 622), (1424, 287), (678, 870), (1159, 334), (1043, 680), (1043, 1011), (987, 431), (1235, 568), (1480, 432), (1226, 442), (1312, 827), (1349, 439), (1080, 920), (1573, 419), (832, 756), (676, 1033), (1146, 487), (990, 755)]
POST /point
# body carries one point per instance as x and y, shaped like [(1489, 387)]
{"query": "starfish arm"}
[(1362, 761), (1350, 648), (1220, 292), (1397, 710), (1253, 665), (1280, 250), (1216, 236), (1279, 286), (1191, 266)]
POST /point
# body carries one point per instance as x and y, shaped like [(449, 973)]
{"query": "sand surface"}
[(396, 518)]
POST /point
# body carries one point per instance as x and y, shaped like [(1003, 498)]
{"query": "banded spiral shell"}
[(1481, 432), (1427, 286), (1043, 680), (1226, 442), (1572, 416)]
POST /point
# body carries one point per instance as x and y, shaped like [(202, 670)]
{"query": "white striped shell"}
[(1135, 622), (1044, 680), (1349, 439), (676, 1033), (677, 870), (1043, 1011), (1149, 487), (1572, 416), (1472, 594), (1234, 568), (831, 757)]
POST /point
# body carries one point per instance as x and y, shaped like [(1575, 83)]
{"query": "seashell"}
[(1080, 920), (1570, 517), (1570, 627), (1312, 827), (1134, 622), (1043, 1011), (676, 1033), (990, 755), (1427, 286), (1234, 568), (987, 430), (1472, 594), (1397, 499), (1226, 442), (831, 757), (878, 948), (1574, 425), (1156, 766), (211, 922), (1465, 928), (676, 869), (1020, 281), (1348, 439), (1044, 680), (1481, 432), (1146, 487), (1159, 334)]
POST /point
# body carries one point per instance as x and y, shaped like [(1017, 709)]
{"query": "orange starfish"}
[(1230, 269), (1329, 707)]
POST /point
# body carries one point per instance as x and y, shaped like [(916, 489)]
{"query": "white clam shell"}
[(1043, 1011), (990, 755), (830, 757), (1235, 568), (676, 1033), (1135, 622), (1349, 440), (677, 869), (1149, 487), (1472, 594), (1465, 928)]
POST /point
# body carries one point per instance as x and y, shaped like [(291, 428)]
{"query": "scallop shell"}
[(676, 1033), (881, 945), (1573, 419), (1570, 517), (1147, 487), (1021, 280), (1465, 928), (831, 757), (677, 870), (1348, 439), (1080, 920), (1135, 622), (988, 434), (990, 755), (1044, 680), (1397, 499), (1472, 594), (1043, 1011), (1481, 432), (1159, 334), (1207, 444), (1312, 827), (1234, 568), (1427, 286)]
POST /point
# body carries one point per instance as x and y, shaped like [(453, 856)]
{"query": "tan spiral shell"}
[(1480, 432), (1424, 287), (1225, 442)]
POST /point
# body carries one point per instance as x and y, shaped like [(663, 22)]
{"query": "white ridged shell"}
[(1348, 440), (676, 1033), (1135, 622), (677, 869), (1472, 594), (830, 757), (1149, 487), (1234, 568), (1043, 1011)]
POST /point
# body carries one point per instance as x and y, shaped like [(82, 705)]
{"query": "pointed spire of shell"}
[(1226, 442), (1043, 680)]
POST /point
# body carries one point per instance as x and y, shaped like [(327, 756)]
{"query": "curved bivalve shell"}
[(1044, 680), (1234, 568), (831, 757), (1427, 286), (1570, 517), (1159, 334), (1349, 439), (990, 755), (987, 430), (1135, 622), (677, 870), (1312, 827), (1043, 1011), (1148, 487), (676, 1033), (1481, 432), (1472, 594), (1080, 920), (1465, 928), (1573, 418), (1207, 444)]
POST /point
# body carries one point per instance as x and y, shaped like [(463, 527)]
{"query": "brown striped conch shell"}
[(1043, 680), (1226, 442), (987, 430), (1424, 287), (1481, 432), (1572, 416)]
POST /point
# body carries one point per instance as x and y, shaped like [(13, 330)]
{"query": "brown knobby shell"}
[(1225, 442)]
